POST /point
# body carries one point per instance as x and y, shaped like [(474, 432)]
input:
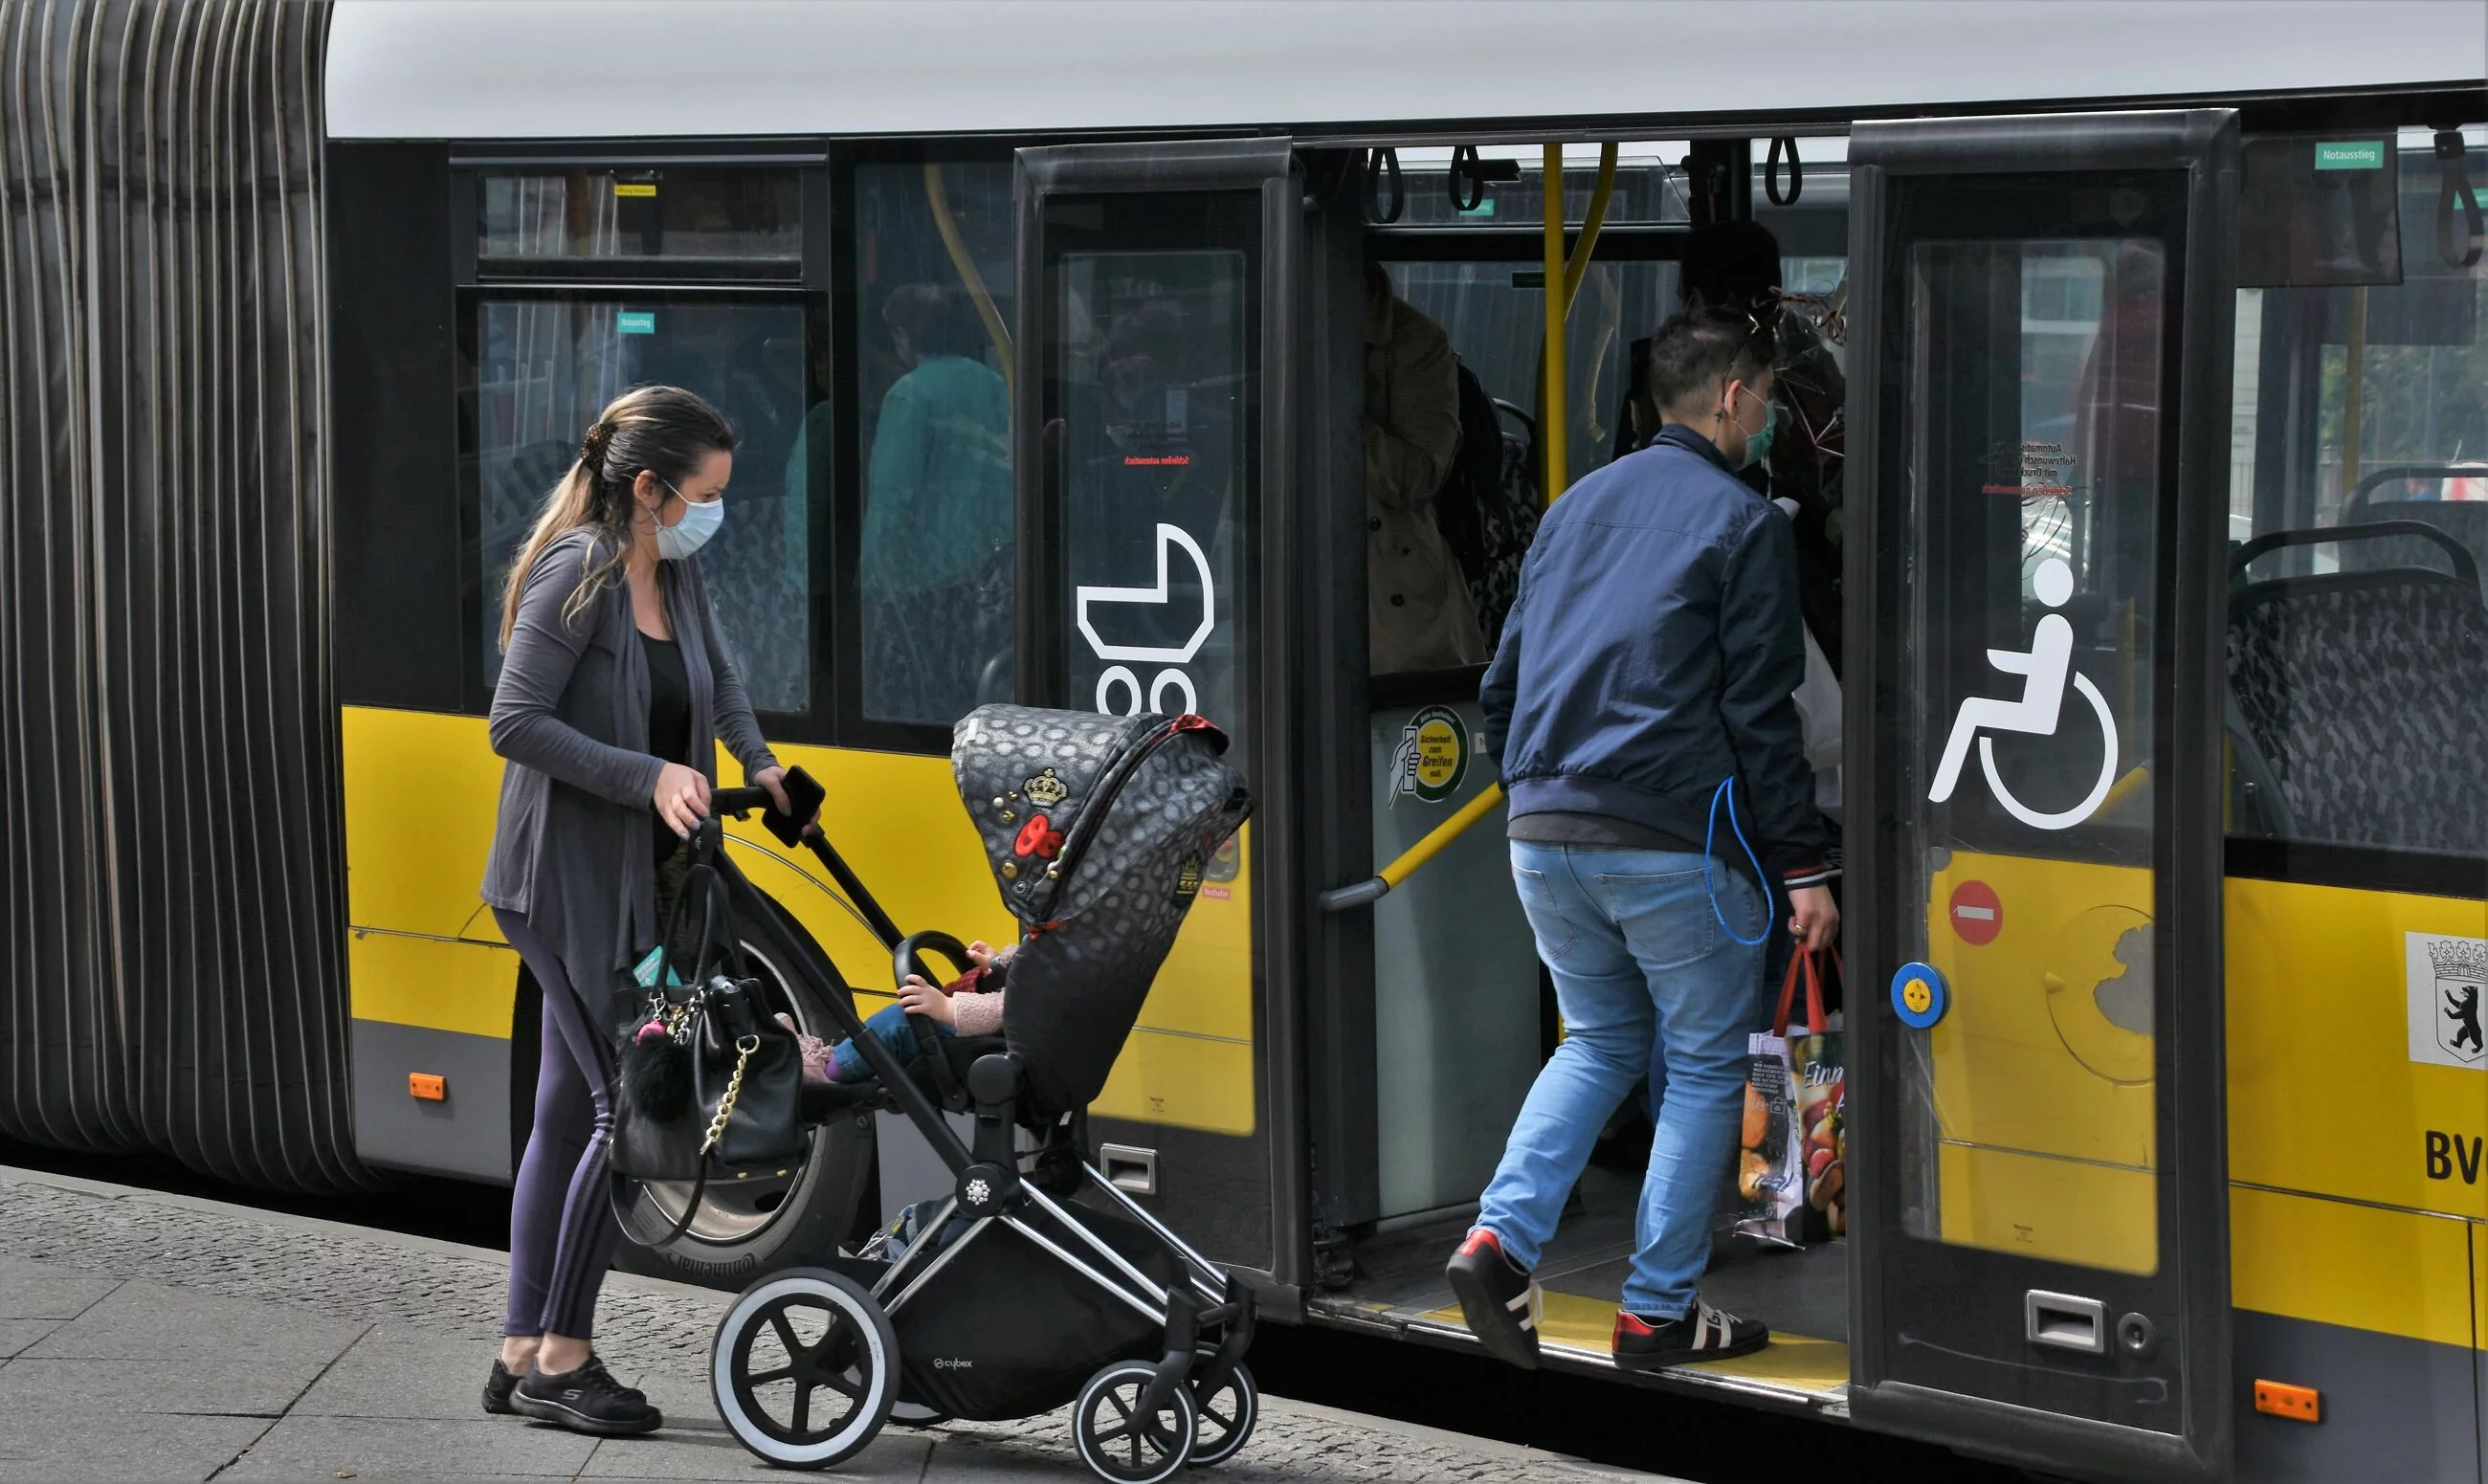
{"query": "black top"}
[(669, 718)]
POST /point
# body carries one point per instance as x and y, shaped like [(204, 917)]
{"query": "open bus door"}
[(2040, 358), (1154, 441)]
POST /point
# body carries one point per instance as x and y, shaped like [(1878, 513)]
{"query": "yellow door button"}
[(1919, 995)]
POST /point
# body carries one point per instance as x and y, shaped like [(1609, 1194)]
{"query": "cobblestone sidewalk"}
[(154, 1336)]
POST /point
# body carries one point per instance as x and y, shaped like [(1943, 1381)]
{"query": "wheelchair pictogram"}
[(2045, 669)]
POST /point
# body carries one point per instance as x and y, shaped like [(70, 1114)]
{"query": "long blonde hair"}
[(661, 428)]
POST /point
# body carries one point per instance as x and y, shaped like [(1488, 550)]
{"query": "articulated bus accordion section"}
[(174, 891)]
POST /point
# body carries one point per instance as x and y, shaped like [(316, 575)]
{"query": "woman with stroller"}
[(613, 680)]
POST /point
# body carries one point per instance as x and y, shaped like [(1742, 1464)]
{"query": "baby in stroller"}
[(1048, 1284), (978, 1014)]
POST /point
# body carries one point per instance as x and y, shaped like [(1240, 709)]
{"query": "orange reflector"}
[(429, 1086), (2299, 1404)]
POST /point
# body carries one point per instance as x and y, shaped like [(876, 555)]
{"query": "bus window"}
[(2358, 658), (933, 562), (556, 217), (2035, 383), (1155, 370), (543, 370), (1495, 315)]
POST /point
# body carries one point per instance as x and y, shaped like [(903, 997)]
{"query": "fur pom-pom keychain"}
[(657, 1069)]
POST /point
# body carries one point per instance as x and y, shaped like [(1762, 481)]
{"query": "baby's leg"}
[(886, 1026)]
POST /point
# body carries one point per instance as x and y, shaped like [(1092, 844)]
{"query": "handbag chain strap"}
[(744, 1047)]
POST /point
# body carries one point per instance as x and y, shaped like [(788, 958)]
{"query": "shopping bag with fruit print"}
[(1823, 1115), (1784, 1067)]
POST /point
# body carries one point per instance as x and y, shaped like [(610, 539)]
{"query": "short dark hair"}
[(1705, 349), (1731, 262), (937, 318)]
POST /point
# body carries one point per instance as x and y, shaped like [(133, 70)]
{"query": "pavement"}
[(148, 1336)]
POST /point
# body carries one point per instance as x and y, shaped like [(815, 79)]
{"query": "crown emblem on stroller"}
[(1046, 790)]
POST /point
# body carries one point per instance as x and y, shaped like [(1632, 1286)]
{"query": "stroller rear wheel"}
[(1121, 1445), (805, 1368), (1226, 1415)]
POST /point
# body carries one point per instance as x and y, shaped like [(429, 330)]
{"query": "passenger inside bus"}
[(1735, 264), (1421, 613), (937, 524)]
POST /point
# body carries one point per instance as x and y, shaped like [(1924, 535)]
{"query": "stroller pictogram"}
[(1148, 610), (2047, 668)]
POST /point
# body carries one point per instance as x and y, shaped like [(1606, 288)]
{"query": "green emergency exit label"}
[(2364, 154), (635, 321)]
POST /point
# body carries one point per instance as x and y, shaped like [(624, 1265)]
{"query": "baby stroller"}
[(1019, 1297)]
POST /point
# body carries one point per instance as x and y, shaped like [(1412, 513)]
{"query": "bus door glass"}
[(2043, 343), (1145, 273)]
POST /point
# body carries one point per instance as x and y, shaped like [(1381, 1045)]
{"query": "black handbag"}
[(710, 1082)]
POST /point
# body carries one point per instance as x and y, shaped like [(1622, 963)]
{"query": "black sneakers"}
[(1705, 1334), (497, 1387), (1498, 1298), (586, 1400)]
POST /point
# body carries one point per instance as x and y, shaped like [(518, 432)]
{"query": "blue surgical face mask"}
[(700, 522)]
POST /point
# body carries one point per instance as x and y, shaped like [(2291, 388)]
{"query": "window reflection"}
[(1154, 389), (671, 212), (2358, 660), (934, 563), (545, 370)]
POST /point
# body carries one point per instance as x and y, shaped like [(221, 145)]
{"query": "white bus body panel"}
[(654, 69)]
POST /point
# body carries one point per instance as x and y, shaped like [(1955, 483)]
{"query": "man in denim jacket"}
[(1641, 706)]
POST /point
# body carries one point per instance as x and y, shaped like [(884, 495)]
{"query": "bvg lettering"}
[(2451, 1153)]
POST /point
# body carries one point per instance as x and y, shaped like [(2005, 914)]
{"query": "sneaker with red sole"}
[(1498, 1298), (1650, 1343)]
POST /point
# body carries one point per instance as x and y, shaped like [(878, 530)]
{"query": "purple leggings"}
[(562, 1230)]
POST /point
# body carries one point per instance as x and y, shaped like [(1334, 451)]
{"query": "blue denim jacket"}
[(1655, 651)]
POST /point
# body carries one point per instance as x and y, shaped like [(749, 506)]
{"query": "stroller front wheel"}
[(1226, 1415), (805, 1368), (1119, 1440)]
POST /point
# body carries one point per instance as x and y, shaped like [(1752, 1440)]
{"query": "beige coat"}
[(1420, 616)]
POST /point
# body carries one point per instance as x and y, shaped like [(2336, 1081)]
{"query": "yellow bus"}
[(2158, 323)]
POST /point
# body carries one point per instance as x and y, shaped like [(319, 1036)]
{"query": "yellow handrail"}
[(1553, 425), (1563, 286), (1578, 269), (1441, 836), (948, 226)]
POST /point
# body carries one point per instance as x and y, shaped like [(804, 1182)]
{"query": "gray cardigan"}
[(570, 847)]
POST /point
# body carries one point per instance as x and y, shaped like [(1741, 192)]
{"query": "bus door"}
[(2040, 350), (1152, 363)]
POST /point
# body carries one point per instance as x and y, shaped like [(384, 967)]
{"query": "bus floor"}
[(1802, 1294)]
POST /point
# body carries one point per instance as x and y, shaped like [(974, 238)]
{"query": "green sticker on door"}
[(2359, 154), (634, 322), (1434, 756)]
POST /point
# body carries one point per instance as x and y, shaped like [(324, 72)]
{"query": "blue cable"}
[(1710, 882)]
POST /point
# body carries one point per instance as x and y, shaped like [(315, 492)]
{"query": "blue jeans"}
[(1638, 960), (889, 1027), (1776, 952)]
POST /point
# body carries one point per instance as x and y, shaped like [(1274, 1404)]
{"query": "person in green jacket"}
[(935, 564)]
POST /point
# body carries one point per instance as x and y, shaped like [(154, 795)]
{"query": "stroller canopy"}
[(1097, 829)]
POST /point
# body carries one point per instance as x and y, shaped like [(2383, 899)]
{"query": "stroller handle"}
[(735, 803)]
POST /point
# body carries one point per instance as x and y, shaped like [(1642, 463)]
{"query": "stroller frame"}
[(991, 1189)]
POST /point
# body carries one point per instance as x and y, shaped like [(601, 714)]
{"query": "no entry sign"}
[(1976, 914)]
